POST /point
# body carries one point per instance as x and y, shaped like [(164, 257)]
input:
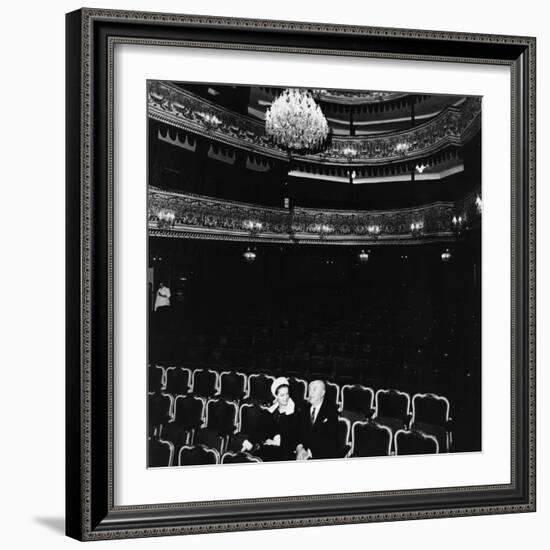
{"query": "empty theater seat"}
[(370, 439), (220, 422), (197, 455), (232, 385), (357, 402), (188, 417), (392, 409), (178, 381), (259, 388), (431, 415), (414, 443), (160, 412), (239, 458), (204, 382), (160, 453)]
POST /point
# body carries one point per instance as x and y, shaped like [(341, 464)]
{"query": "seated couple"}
[(297, 434)]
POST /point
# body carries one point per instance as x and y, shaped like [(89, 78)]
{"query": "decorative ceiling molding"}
[(370, 100), (357, 97), (181, 109)]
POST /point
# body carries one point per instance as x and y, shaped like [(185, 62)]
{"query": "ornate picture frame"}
[(91, 509)]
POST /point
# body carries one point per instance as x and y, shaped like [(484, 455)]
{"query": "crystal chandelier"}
[(295, 122)]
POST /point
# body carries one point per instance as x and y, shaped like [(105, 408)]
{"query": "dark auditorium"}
[(314, 274)]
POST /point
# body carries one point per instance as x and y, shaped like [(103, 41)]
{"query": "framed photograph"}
[(300, 274)]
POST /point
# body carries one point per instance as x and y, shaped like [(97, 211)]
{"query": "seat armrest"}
[(343, 451)]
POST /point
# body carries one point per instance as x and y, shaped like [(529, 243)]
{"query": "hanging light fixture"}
[(446, 256), (249, 255), (420, 168), (479, 203), (253, 226), (363, 256), (295, 122), (350, 152), (459, 223), (210, 121), (373, 231), (165, 219), (417, 228), (402, 147), (323, 230)]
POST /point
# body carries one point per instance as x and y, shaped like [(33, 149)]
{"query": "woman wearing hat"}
[(281, 429)]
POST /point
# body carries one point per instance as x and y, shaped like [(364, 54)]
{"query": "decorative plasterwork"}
[(352, 97), (182, 109), (362, 101), (199, 215)]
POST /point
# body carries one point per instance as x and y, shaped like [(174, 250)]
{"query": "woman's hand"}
[(247, 446), (301, 453), (275, 442)]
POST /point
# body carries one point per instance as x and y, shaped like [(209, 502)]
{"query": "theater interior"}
[(351, 255)]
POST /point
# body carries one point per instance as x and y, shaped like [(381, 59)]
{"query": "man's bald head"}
[(317, 389)]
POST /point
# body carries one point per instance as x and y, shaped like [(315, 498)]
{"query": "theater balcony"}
[(174, 215)]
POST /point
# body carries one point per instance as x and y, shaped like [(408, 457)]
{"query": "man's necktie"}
[(312, 415)]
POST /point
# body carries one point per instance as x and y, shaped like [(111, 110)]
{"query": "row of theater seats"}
[(216, 422), (321, 323), (417, 350), (248, 351), (338, 369), (162, 454), (384, 335), (373, 347), (355, 401), (360, 439)]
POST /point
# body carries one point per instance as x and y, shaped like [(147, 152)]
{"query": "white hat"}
[(277, 383)]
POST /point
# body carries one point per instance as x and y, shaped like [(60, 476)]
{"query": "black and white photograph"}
[(314, 274), (286, 256)]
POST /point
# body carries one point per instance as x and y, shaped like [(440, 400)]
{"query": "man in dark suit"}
[(318, 426)]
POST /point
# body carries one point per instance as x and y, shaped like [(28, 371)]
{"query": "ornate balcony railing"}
[(184, 110), (204, 217)]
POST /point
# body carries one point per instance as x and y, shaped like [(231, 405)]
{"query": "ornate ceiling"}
[(453, 126), (419, 153)]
